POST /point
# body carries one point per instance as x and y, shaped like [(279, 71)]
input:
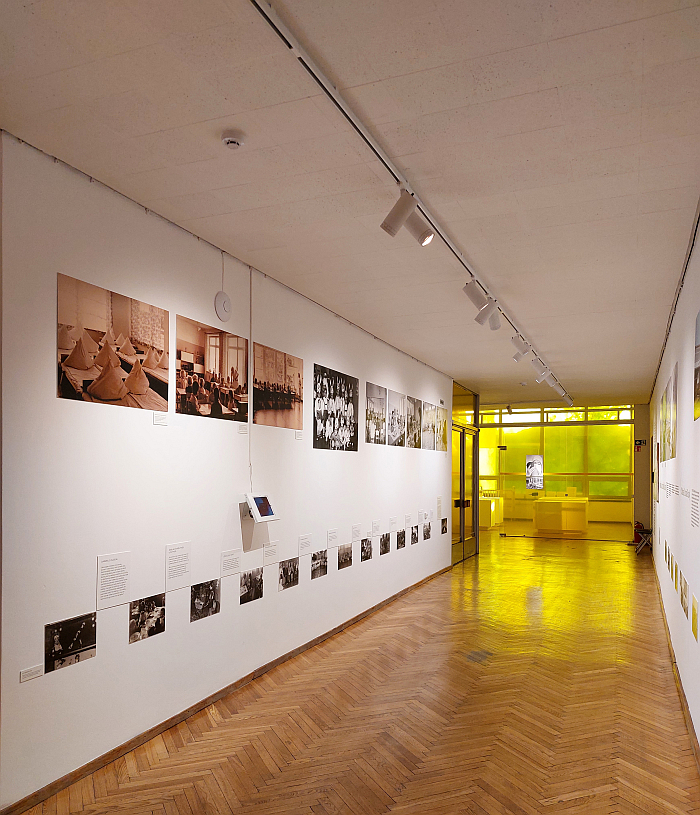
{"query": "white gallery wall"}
[(677, 511), (82, 480)]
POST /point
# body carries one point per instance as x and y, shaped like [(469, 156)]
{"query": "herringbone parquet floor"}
[(534, 679)]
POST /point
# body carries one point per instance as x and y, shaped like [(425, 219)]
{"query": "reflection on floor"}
[(534, 678), (597, 530)]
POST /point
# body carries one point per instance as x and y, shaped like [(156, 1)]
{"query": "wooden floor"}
[(534, 679)]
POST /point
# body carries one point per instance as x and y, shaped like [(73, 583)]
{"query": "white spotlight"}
[(399, 213), (419, 229), (538, 365), (486, 311), (475, 293), (569, 401), (522, 348), (495, 320), (541, 377), (558, 389), (549, 379)]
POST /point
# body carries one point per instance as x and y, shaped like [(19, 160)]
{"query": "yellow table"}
[(559, 516)]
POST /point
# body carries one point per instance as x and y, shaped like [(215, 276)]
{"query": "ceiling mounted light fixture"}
[(399, 214), (522, 348), (543, 376), (569, 401), (475, 293), (485, 313), (538, 365), (419, 229), (558, 389)]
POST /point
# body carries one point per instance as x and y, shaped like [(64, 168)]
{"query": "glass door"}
[(464, 540)]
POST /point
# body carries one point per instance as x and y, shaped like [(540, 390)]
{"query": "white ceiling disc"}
[(222, 305)]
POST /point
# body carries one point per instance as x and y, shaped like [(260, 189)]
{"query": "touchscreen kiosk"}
[(261, 508)]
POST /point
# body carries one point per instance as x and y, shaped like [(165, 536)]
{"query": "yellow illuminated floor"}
[(532, 679)]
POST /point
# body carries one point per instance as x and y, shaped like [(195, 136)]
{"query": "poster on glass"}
[(375, 414), (534, 472), (111, 349), (278, 388), (414, 419), (70, 641), (211, 371), (428, 431), (397, 419), (336, 401)]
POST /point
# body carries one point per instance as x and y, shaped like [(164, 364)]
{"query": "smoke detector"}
[(233, 139)]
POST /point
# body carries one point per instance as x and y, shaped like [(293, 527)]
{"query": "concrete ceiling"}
[(556, 142)]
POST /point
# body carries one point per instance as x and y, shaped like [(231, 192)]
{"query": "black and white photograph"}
[(146, 617), (441, 429), (289, 573), (397, 419), (205, 599), (443, 526), (414, 422), (344, 555), (428, 430), (251, 585), (366, 549), (336, 401), (375, 414), (211, 371), (278, 388), (112, 349), (414, 535), (426, 531), (70, 641), (534, 472), (385, 543), (319, 564), (401, 539)]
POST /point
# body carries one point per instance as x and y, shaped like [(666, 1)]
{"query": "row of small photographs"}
[(402, 421), (75, 640), (113, 349), (411, 422), (681, 586)]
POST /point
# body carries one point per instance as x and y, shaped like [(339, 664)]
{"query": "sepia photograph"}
[(336, 400), (414, 535), (375, 414), (251, 585), (414, 421), (428, 430), (696, 371), (426, 531), (667, 417), (344, 555), (385, 543), (401, 539), (70, 641), (278, 388), (443, 526), (205, 599), (112, 349), (441, 429), (397, 419), (146, 617), (684, 595), (289, 573), (366, 549), (319, 564), (211, 370)]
